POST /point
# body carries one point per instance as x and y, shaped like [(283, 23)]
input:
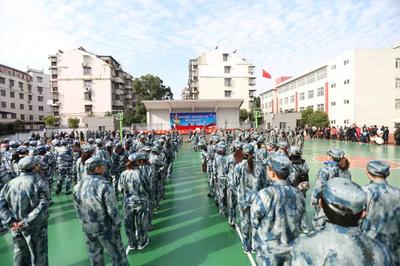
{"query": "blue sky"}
[(159, 37)]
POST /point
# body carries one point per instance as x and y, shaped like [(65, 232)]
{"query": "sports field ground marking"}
[(253, 263)]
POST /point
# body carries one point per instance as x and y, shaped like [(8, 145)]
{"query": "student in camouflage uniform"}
[(337, 165), (277, 214), (96, 207), (382, 221), (220, 168), (136, 204), (65, 164), (341, 241), (24, 203)]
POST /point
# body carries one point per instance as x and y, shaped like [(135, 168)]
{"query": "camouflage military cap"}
[(90, 141), (133, 157), (99, 141), (221, 146), (32, 143), (87, 148), (156, 148), (280, 164), (64, 142), (118, 145), (283, 145), (39, 150), (143, 155), (13, 144), (27, 163), (94, 162), (378, 168), (344, 193), (271, 144), (238, 145), (248, 148), (146, 148), (336, 153), (22, 150), (295, 150), (109, 144)]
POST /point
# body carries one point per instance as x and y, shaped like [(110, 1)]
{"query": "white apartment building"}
[(88, 86), (218, 74), (361, 86), (23, 96)]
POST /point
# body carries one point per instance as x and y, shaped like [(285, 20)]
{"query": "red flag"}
[(265, 74)]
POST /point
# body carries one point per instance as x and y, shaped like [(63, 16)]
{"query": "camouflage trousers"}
[(30, 246), (65, 174), (267, 258), (211, 181), (222, 195), (112, 242), (245, 227), (231, 202), (137, 223)]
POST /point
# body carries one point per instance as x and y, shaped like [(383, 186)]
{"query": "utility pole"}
[(257, 114)]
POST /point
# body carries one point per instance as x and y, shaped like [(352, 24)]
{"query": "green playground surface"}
[(187, 229)]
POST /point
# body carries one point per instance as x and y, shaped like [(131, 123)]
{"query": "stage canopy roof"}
[(193, 104)]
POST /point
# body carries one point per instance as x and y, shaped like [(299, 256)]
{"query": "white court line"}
[(248, 253)]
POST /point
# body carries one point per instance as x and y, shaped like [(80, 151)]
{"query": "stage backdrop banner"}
[(186, 121)]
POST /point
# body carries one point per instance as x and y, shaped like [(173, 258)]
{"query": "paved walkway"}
[(187, 227)]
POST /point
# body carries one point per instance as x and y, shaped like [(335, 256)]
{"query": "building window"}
[(20, 85), (252, 81), (3, 105), (333, 85), (228, 81), (286, 100), (227, 69), (346, 62), (397, 63), (346, 121), (40, 98), (320, 107), (292, 99), (321, 74), (87, 71), (251, 70), (228, 94), (333, 67), (301, 82), (302, 96), (397, 85), (21, 106), (41, 117), (31, 117), (12, 105), (3, 115), (88, 96), (3, 93), (11, 83), (302, 108), (39, 79), (333, 103), (310, 107), (397, 103), (29, 97), (2, 80), (30, 107), (346, 101), (40, 90), (40, 108), (285, 88), (310, 78), (13, 116), (225, 57), (88, 108), (347, 81), (21, 96), (320, 91), (333, 122), (87, 83), (292, 85), (12, 94), (29, 88), (310, 94)]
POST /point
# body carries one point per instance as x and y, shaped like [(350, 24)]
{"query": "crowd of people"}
[(100, 169), (258, 180), (365, 134)]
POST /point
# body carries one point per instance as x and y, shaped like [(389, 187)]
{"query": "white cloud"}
[(285, 37)]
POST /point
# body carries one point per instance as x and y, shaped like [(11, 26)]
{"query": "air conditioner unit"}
[(88, 88)]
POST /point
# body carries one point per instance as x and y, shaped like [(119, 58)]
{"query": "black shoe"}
[(210, 195), (3, 231), (58, 191), (68, 193)]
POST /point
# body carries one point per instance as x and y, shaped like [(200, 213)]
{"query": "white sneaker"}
[(144, 245), (129, 249)]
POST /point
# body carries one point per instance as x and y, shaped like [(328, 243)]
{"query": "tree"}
[(73, 122), (50, 120), (148, 87), (243, 114), (311, 118), (257, 102)]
